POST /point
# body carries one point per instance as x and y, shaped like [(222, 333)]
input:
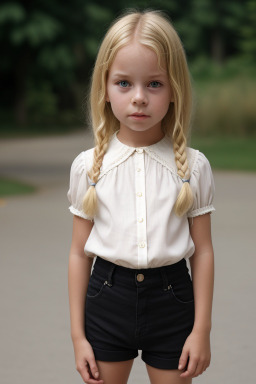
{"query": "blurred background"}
[(48, 48)]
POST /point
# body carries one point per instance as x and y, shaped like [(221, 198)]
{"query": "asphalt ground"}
[(35, 238)]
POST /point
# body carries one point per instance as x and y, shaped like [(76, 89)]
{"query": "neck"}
[(139, 139)]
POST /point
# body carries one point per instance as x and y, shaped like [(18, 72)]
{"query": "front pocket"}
[(182, 290), (95, 287)]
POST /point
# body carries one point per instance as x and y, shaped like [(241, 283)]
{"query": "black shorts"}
[(127, 310)]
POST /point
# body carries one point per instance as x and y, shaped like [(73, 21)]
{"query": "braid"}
[(185, 198), (90, 206), (179, 145)]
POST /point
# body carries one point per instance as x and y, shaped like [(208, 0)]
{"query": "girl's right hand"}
[(85, 361)]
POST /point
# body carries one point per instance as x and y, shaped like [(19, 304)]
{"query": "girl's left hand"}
[(197, 348)]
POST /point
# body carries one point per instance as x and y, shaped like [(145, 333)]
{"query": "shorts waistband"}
[(107, 268)]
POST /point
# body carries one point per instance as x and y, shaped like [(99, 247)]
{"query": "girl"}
[(141, 201)]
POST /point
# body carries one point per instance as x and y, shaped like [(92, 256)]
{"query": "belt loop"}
[(165, 279), (109, 280)]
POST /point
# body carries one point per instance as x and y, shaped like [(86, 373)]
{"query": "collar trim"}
[(162, 151)]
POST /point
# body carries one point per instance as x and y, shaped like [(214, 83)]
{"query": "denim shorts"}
[(128, 309)]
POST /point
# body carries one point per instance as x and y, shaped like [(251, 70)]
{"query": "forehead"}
[(134, 57)]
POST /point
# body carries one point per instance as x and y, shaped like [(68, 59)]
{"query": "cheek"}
[(162, 104), (112, 94), (117, 99), (118, 106)]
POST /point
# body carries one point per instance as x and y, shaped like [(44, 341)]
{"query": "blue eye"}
[(155, 84), (123, 83)]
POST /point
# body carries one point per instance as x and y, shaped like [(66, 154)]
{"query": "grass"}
[(225, 107), (228, 153), (10, 187)]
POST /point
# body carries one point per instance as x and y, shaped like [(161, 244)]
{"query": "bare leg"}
[(167, 376), (114, 372)]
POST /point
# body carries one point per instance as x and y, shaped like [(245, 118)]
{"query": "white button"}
[(139, 194), (138, 169), (140, 220), (139, 150), (142, 244)]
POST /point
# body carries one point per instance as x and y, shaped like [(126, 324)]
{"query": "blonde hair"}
[(154, 30)]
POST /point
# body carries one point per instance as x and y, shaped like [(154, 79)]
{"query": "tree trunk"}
[(217, 48)]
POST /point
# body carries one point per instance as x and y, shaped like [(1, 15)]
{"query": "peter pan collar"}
[(162, 152)]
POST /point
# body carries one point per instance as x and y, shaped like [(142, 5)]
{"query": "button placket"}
[(141, 208)]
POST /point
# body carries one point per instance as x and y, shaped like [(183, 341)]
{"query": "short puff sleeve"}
[(203, 187), (78, 185)]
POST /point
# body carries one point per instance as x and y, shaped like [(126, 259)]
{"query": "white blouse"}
[(136, 226)]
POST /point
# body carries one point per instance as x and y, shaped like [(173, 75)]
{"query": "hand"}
[(197, 348), (85, 361)]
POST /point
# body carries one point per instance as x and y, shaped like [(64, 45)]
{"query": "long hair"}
[(154, 30)]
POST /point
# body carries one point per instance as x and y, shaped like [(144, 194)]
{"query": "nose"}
[(139, 97)]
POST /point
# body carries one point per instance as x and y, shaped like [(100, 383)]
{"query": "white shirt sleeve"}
[(203, 187), (78, 186)]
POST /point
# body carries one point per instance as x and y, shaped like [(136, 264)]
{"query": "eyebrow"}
[(126, 75)]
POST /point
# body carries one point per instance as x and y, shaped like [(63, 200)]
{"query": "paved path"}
[(35, 240)]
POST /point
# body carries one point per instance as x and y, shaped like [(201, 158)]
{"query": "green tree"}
[(211, 28), (247, 41), (47, 41), (48, 47)]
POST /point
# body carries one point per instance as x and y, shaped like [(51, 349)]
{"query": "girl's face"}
[(138, 91)]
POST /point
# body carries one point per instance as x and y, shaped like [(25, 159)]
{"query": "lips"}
[(139, 117), (139, 114)]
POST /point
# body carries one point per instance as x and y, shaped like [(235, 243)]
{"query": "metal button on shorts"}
[(140, 277)]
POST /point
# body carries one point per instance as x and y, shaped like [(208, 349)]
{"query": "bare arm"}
[(79, 271), (197, 345), (202, 269)]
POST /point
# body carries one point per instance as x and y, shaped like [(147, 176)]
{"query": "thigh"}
[(167, 376), (112, 372)]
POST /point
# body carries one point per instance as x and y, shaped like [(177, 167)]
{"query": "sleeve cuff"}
[(201, 211), (79, 213)]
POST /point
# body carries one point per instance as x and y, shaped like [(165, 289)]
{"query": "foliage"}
[(247, 42), (225, 107), (48, 48)]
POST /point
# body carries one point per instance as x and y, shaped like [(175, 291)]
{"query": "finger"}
[(88, 380), (192, 365), (93, 368), (199, 369), (183, 359), (86, 375), (92, 381)]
